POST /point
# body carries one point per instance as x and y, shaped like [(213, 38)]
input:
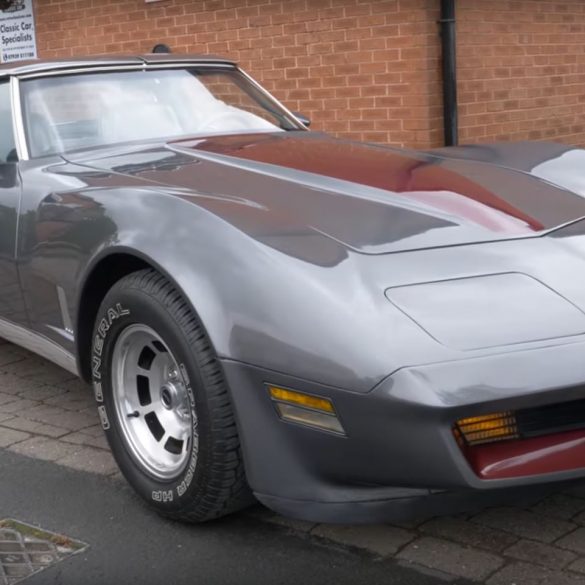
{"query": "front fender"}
[(263, 300)]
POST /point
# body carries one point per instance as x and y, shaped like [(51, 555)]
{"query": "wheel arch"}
[(99, 279)]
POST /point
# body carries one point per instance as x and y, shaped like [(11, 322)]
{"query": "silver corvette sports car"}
[(343, 331)]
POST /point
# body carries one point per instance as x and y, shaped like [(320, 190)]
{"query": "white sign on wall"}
[(18, 39)]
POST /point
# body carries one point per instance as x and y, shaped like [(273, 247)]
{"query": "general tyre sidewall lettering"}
[(112, 320)]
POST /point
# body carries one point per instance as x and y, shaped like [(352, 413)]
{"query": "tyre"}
[(164, 404)]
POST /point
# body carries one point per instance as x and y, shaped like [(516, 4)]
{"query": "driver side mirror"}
[(302, 119)]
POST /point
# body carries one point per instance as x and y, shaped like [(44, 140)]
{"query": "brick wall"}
[(522, 70), (366, 69)]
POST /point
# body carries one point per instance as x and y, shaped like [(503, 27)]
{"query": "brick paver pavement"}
[(46, 413)]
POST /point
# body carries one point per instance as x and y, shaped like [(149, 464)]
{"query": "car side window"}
[(7, 143)]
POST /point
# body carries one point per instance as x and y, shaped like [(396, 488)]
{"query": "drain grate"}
[(25, 550)]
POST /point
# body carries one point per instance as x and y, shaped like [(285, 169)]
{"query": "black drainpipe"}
[(449, 66)]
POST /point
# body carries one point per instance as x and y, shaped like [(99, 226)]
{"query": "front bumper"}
[(399, 458)]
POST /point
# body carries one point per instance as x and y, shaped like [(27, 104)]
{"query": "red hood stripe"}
[(375, 167)]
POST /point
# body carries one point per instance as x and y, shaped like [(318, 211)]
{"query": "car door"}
[(11, 298)]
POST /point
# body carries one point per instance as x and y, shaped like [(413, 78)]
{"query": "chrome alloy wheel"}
[(152, 403)]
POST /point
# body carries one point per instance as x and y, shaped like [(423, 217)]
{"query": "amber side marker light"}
[(488, 428), (305, 409)]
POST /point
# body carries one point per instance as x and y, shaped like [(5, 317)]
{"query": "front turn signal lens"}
[(305, 409), (307, 400), (488, 428)]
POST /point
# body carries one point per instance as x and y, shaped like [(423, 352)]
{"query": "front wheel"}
[(163, 402)]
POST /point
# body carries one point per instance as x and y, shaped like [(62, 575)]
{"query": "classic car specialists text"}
[(16, 33)]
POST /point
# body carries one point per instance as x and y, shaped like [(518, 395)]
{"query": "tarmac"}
[(129, 544)]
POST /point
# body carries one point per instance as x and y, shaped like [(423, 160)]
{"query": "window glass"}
[(66, 113), (7, 144)]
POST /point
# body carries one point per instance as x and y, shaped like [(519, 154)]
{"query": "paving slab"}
[(10, 437), (578, 566), (21, 423), (72, 400), (538, 553), (44, 448), (561, 506), (580, 518), (19, 405), (6, 398), (58, 417), (469, 534), (529, 574), (41, 393), (91, 460), (574, 541), (381, 539), (76, 385), (94, 430), (451, 558), (81, 438), (524, 523), (8, 358), (12, 384), (35, 368)]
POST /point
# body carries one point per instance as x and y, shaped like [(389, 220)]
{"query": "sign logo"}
[(12, 5), (17, 31)]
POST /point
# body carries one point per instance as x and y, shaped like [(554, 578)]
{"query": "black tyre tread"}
[(226, 489)]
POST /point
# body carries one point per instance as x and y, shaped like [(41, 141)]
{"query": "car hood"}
[(369, 198)]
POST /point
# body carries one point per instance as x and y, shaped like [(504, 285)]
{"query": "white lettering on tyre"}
[(104, 417), (98, 346), (96, 364), (163, 496), (184, 485), (112, 314), (97, 390), (185, 376)]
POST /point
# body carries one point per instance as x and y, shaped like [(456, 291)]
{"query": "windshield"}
[(67, 113)]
